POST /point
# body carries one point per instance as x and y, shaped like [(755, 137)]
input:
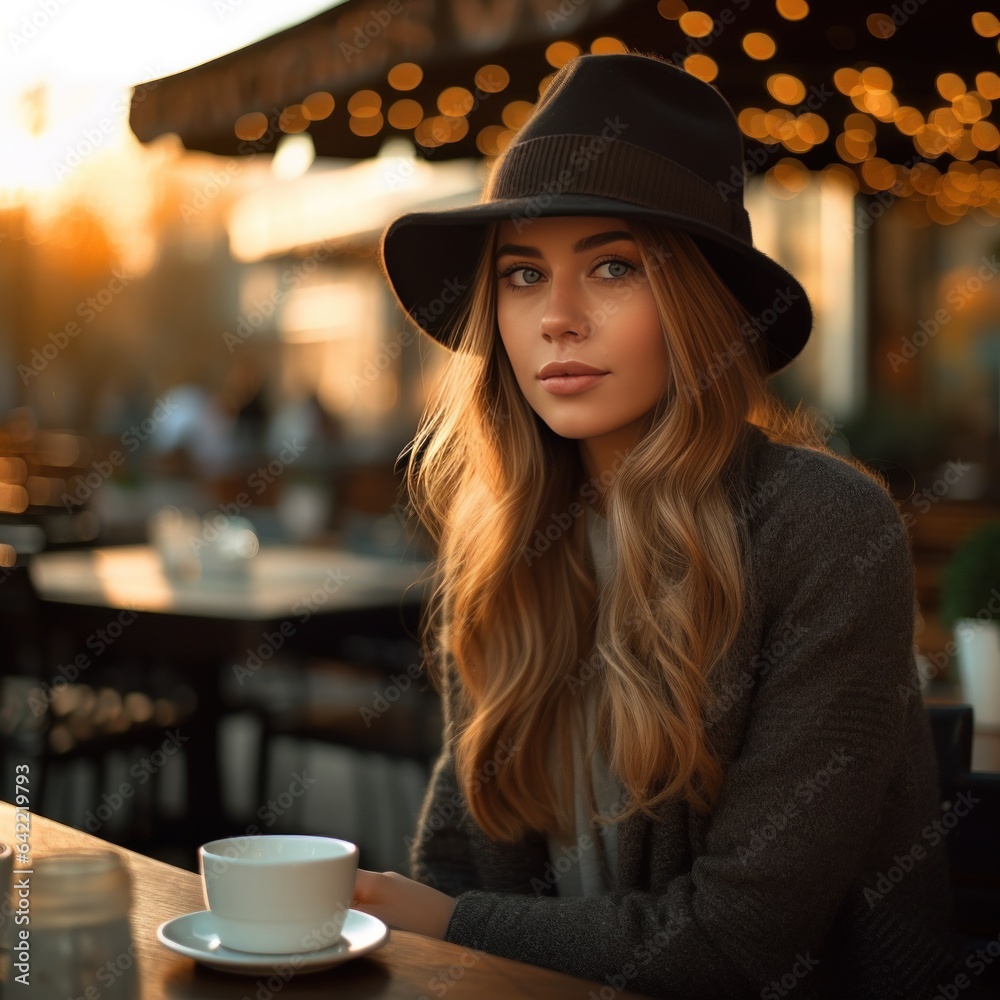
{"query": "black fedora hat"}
[(625, 135)]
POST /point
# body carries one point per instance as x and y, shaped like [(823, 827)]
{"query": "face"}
[(572, 289)]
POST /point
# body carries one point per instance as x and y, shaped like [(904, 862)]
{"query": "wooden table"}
[(408, 967)]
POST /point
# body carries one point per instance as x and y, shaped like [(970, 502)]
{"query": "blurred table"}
[(118, 602), (280, 581), (406, 967)]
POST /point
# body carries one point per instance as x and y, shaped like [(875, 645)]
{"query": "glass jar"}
[(78, 941)]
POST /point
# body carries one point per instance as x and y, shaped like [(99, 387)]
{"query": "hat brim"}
[(429, 258)]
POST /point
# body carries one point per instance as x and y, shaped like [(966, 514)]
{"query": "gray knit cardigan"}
[(820, 871)]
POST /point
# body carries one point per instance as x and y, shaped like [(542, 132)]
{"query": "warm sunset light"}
[(66, 74)]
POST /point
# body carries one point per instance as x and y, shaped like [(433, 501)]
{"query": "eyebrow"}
[(587, 243)]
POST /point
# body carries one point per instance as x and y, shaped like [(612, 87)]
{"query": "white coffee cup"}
[(279, 894)]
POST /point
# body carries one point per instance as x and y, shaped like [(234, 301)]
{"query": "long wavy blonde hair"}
[(515, 622)]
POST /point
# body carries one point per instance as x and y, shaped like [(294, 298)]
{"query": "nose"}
[(563, 314)]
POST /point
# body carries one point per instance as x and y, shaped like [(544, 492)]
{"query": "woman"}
[(671, 628)]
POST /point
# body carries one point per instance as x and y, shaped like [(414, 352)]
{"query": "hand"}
[(403, 903)]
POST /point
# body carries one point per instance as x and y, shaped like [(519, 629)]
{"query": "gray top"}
[(830, 777), (586, 865)]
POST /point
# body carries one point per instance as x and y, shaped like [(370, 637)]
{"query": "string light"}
[(318, 106), (960, 127), (559, 53), (405, 114), (986, 24), (607, 44), (786, 88), (366, 125), (672, 10), (950, 86), (792, 10), (491, 78), (405, 76), (293, 119), (759, 45), (364, 104), (454, 102), (880, 25), (696, 23), (516, 113), (702, 66)]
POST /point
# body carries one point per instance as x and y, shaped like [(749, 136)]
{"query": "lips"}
[(557, 369)]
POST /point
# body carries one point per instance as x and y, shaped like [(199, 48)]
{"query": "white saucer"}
[(194, 935)]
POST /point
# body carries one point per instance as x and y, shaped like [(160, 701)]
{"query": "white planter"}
[(979, 668)]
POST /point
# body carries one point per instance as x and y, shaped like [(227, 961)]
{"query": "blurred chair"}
[(951, 727), (50, 719), (974, 842), (374, 701)]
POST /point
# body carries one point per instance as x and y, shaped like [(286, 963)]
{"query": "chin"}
[(576, 430)]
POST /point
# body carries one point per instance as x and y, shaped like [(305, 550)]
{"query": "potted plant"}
[(971, 605)]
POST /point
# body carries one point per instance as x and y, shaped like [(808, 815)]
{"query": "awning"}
[(919, 79), (349, 49)]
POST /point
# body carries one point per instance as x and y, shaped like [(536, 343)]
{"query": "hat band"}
[(610, 168)]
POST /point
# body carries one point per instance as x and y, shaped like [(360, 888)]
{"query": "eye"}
[(528, 276), (618, 268)]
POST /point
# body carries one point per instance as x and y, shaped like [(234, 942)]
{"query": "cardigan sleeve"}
[(801, 801)]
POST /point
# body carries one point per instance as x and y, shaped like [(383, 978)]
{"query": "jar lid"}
[(77, 890)]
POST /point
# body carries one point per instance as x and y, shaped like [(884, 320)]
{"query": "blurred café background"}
[(211, 588)]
